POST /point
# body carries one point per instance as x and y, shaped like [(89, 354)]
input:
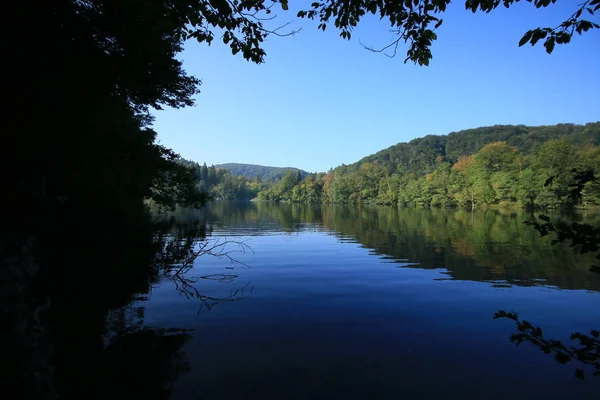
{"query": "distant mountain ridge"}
[(263, 172)]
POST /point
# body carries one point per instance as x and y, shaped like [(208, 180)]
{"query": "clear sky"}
[(320, 101)]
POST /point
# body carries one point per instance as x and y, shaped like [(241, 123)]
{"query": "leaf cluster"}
[(586, 351), (562, 33), (415, 21), (583, 238)]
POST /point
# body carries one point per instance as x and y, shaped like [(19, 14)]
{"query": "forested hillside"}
[(422, 155), (221, 183), (261, 172), (499, 165)]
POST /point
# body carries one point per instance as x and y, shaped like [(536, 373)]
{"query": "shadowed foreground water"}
[(339, 302)]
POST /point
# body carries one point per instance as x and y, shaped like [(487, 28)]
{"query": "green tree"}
[(211, 176), (528, 188), (555, 158), (204, 172), (287, 184), (493, 172), (369, 177), (439, 185)]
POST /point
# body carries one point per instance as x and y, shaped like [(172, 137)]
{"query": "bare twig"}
[(217, 247), (185, 286), (276, 33), (394, 44), (255, 17)]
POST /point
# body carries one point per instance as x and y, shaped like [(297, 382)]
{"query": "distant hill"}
[(422, 155), (265, 173)]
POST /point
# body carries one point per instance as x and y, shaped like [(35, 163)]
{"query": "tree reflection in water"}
[(186, 286), (586, 351), (180, 272), (142, 361), (100, 344)]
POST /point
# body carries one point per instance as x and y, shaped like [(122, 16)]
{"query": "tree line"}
[(498, 174), (219, 183), (501, 165)]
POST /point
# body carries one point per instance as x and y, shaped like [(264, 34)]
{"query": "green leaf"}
[(526, 37), (284, 4), (537, 35), (549, 45), (562, 358), (471, 5)]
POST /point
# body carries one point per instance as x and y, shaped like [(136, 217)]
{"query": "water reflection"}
[(102, 343), (492, 246), (142, 362), (94, 342), (180, 269), (188, 287)]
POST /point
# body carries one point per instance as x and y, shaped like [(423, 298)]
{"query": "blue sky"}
[(320, 101)]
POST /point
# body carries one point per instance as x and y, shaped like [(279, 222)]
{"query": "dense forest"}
[(499, 165), (506, 165), (261, 172), (421, 155), (220, 183)]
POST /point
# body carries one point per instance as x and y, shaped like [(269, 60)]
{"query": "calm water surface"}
[(339, 302)]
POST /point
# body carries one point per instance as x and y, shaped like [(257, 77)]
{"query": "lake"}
[(340, 302)]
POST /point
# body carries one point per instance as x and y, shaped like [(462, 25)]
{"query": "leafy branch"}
[(415, 21), (583, 238), (587, 350), (562, 33), (410, 20), (243, 23)]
